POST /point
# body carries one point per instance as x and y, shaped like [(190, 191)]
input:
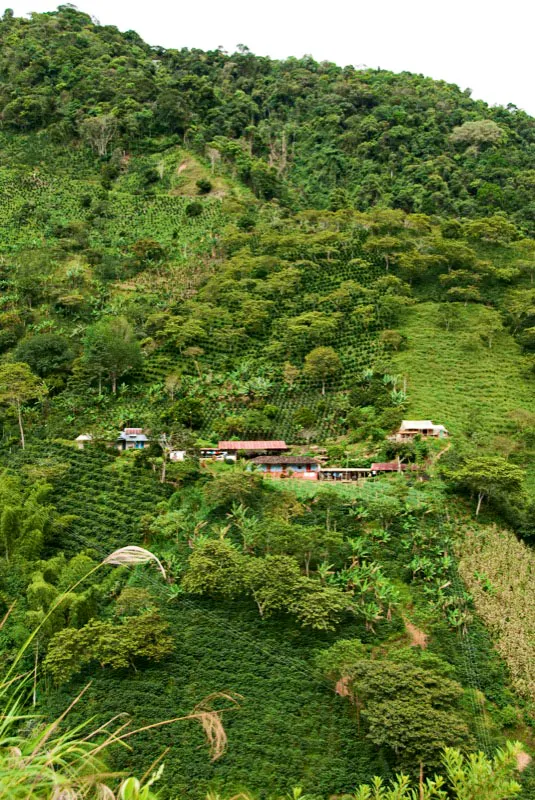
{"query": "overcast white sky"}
[(481, 44)]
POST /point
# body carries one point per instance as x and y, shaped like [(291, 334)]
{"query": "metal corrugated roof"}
[(277, 444), (386, 466), (285, 460), (417, 424), (132, 437)]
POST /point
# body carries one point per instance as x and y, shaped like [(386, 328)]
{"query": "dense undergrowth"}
[(223, 246)]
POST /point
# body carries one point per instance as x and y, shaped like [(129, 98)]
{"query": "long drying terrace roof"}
[(254, 445)]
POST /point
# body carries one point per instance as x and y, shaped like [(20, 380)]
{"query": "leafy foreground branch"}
[(48, 764), (474, 777), (49, 761)]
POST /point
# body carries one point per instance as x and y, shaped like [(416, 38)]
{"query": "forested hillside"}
[(212, 246)]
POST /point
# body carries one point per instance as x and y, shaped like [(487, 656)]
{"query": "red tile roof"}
[(386, 466), (253, 445)]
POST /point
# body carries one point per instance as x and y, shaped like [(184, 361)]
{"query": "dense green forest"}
[(221, 246)]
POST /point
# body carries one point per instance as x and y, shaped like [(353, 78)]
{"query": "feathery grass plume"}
[(212, 725), (51, 761), (132, 555), (43, 763), (208, 717)]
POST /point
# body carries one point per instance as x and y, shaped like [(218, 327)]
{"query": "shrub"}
[(194, 209), (204, 186)]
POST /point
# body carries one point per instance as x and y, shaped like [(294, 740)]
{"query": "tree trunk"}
[(21, 429), (164, 469), (114, 383), (421, 782), (308, 556), (479, 502), (323, 388), (284, 153)]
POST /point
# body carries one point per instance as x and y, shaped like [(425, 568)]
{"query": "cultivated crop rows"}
[(108, 503)]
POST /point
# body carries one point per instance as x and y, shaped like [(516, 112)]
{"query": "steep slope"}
[(472, 388), (285, 249), (295, 130)]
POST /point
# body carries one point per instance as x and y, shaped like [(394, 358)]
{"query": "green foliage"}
[(204, 186), (370, 236), (109, 644), (46, 354), (464, 778), (367, 136), (111, 350), (477, 132), (216, 568), (321, 364), (233, 486), (491, 477), (194, 209), (19, 385), (414, 712)]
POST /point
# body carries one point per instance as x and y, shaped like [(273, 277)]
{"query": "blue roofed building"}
[(132, 439)]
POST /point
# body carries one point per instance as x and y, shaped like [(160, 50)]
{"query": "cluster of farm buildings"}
[(272, 457)]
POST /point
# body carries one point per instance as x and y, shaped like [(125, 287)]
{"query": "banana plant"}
[(423, 567), (360, 550), (381, 536), (324, 571), (372, 613), (388, 596)]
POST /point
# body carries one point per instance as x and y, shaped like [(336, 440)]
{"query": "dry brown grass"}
[(498, 571)]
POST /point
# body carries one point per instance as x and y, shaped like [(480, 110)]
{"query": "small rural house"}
[(132, 439), (410, 428), (253, 448), (82, 440), (282, 466), (177, 455)]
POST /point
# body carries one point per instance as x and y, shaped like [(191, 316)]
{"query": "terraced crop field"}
[(106, 496), (473, 390)]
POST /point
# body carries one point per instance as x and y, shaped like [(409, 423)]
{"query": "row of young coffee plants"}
[(106, 497)]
